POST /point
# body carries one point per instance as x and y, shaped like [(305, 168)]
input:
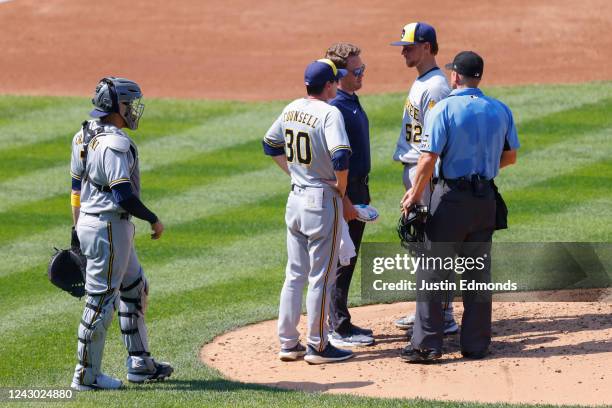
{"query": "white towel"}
[(347, 248)]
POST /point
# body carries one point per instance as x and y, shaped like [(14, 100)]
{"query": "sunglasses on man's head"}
[(359, 71)]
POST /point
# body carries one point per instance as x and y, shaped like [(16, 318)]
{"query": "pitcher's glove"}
[(67, 271)]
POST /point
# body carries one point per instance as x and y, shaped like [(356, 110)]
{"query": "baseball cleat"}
[(292, 354), (416, 356), (161, 371), (405, 322), (350, 340), (330, 354), (360, 330), (102, 382), (450, 327)]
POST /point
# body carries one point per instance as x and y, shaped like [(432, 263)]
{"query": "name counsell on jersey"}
[(301, 117)]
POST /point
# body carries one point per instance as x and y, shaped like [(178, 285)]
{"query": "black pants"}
[(340, 318), (461, 224)]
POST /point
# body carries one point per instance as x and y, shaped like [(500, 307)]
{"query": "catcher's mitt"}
[(411, 228), (67, 271)]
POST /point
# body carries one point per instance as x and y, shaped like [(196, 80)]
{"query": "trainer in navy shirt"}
[(345, 55), (358, 131)]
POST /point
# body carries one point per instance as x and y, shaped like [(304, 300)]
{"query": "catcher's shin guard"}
[(96, 320), (132, 307)]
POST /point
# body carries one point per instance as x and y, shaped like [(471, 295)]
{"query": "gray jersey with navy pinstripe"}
[(112, 158), (310, 131)]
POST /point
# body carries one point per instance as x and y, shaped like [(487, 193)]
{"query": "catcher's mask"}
[(411, 227), (121, 96), (67, 271)]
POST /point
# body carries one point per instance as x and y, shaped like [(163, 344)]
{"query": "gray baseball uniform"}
[(310, 131), (427, 90), (114, 275)]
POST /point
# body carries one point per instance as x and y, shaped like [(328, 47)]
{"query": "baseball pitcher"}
[(419, 48)]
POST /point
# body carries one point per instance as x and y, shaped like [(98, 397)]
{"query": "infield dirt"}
[(257, 51), (542, 352)]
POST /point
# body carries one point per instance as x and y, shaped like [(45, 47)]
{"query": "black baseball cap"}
[(467, 63)]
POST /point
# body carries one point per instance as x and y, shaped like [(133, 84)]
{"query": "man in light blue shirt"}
[(474, 136)]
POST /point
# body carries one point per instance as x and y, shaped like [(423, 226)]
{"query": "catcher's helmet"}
[(411, 227), (118, 95), (67, 271)]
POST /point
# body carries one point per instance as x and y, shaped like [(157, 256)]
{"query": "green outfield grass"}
[(220, 264)]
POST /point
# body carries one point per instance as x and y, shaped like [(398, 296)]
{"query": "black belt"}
[(361, 180), (475, 183), (123, 216)]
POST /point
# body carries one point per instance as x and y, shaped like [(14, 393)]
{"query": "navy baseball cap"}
[(414, 33), (467, 63), (322, 71)]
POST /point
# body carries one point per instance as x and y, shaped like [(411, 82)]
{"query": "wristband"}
[(75, 200)]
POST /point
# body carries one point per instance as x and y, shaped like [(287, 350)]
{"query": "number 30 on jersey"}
[(298, 147)]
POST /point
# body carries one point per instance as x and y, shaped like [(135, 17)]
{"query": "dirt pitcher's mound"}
[(549, 352)]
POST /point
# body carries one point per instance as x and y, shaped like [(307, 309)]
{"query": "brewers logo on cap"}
[(416, 33)]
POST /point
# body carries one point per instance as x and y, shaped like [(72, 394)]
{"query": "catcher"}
[(105, 195)]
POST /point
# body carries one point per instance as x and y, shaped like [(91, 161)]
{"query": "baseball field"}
[(221, 263), (214, 78)]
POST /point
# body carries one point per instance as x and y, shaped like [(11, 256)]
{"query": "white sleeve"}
[(274, 136), (76, 164), (116, 167), (430, 98)]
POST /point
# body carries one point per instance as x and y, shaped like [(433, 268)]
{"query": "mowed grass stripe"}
[(172, 149), (56, 116), (530, 102), (162, 120), (187, 128), (389, 207), (527, 166), (194, 243), (565, 125), (230, 226), (576, 222), (169, 180), (29, 159), (42, 120), (216, 134), (527, 102), (539, 165), (20, 108), (32, 120), (234, 190), (188, 270), (52, 346), (535, 168), (557, 194)]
